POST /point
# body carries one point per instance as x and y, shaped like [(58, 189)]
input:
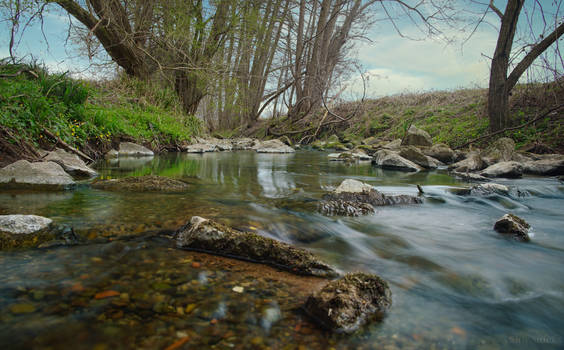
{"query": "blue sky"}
[(394, 64)]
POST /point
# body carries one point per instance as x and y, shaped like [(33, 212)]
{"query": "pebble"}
[(196, 265), (238, 289), (106, 294), (22, 308)]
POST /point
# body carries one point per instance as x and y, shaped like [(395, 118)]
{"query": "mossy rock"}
[(149, 183), (212, 237), (344, 305)]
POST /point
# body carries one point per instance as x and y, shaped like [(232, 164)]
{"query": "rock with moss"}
[(40, 175), (149, 183), (130, 149), (415, 155), (349, 156), (346, 304), (441, 152), (513, 225), (473, 162), (212, 237), (417, 137), (24, 231), (71, 163), (501, 150), (387, 159), (355, 198)]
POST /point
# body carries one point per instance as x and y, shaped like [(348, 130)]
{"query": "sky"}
[(392, 64)]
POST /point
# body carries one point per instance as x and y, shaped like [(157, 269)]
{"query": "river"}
[(456, 283)]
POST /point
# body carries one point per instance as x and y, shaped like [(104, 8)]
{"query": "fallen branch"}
[(554, 109), (67, 146)]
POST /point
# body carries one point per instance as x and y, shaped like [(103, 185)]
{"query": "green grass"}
[(451, 117), (81, 112)]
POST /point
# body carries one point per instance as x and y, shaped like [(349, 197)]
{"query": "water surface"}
[(455, 282)]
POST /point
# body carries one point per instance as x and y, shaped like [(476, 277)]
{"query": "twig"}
[(511, 128), (67, 146)]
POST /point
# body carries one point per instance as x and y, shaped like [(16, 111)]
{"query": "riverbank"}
[(39, 110)]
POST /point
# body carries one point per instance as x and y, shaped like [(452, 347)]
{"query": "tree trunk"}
[(190, 93), (498, 93)]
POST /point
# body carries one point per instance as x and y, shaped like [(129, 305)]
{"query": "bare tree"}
[(501, 83)]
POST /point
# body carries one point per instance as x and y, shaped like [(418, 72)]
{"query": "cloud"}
[(400, 65)]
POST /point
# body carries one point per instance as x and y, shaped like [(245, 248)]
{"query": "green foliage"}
[(79, 113)]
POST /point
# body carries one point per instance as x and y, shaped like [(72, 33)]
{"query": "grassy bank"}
[(451, 117), (87, 115)]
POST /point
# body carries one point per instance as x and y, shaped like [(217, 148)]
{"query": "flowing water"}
[(455, 282)]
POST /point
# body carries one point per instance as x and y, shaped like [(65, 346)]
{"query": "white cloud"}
[(400, 65)]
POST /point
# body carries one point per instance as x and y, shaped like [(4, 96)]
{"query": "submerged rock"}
[(42, 174), (208, 236), (417, 137), (149, 183), (387, 159), (71, 163), (346, 304), (513, 225), (355, 198), (482, 190), (511, 170), (272, 146), (20, 231)]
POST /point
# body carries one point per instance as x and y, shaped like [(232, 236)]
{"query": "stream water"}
[(456, 283)]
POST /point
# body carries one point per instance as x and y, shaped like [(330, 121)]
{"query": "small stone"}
[(196, 265), (22, 308), (189, 308), (238, 289), (106, 294)]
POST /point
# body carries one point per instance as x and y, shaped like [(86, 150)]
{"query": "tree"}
[(501, 83)]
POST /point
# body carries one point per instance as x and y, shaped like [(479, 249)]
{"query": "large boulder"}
[(71, 163), (205, 235), (417, 137), (511, 170), (149, 183), (355, 198), (130, 149), (19, 231), (42, 174), (473, 162), (441, 152), (547, 167), (415, 155), (513, 225), (272, 146), (500, 151), (346, 304), (387, 159)]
